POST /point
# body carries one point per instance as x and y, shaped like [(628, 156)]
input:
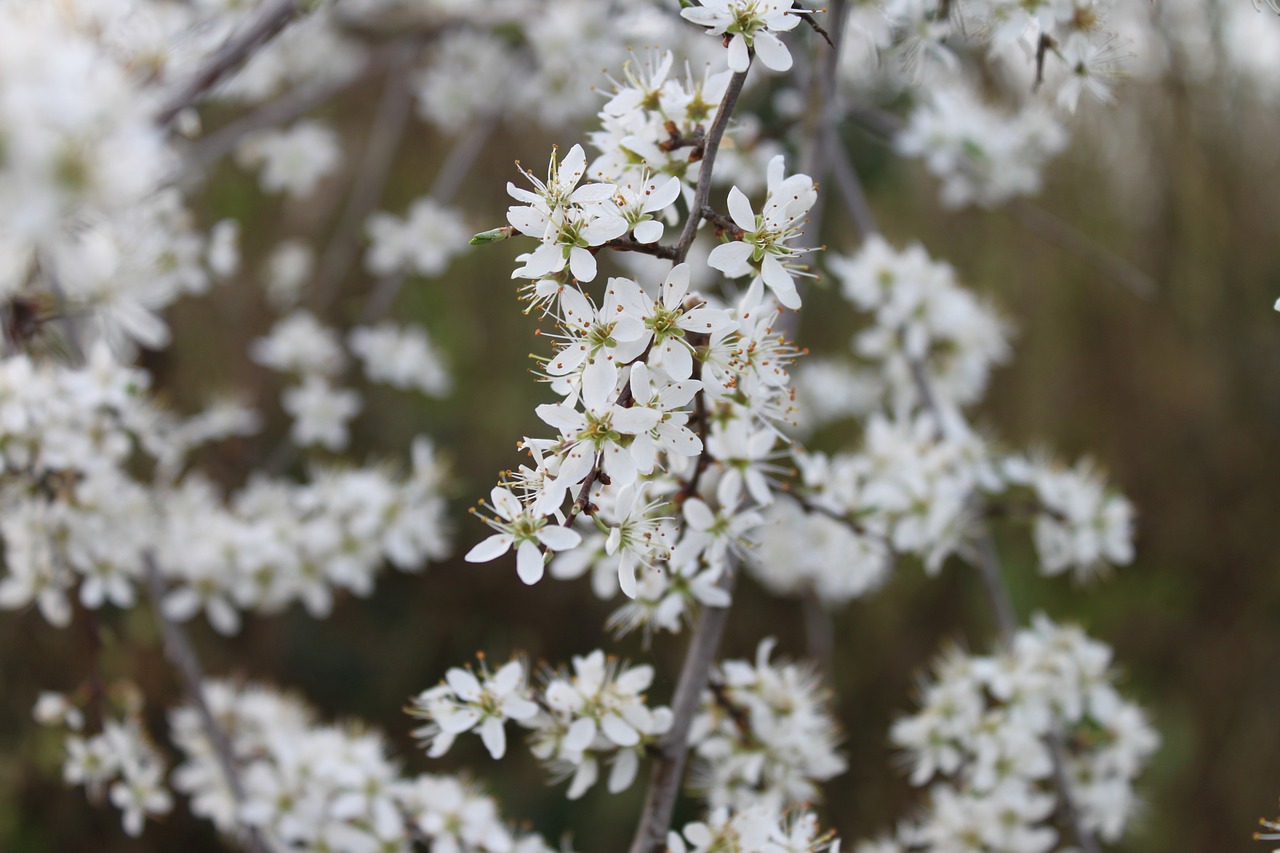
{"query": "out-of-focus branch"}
[(182, 655), (450, 176), (288, 107), (850, 187), (997, 593), (1064, 235), (821, 111), (883, 126), (819, 633), (371, 178), (230, 56)]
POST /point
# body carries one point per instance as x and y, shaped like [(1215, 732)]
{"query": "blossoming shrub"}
[(666, 269)]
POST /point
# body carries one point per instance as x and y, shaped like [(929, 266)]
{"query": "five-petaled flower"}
[(519, 526), (750, 25)]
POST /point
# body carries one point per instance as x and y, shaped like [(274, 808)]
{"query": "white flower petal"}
[(559, 538), (619, 731), (739, 57), (740, 210), (582, 264), (494, 736), (490, 549), (624, 771), (649, 231), (731, 258), (580, 735), (529, 565), (464, 684), (772, 52)]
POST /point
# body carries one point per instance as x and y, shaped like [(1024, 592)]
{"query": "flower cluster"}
[(921, 314), (666, 464), (749, 25), (77, 126), (463, 702), (422, 243), (401, 356), (75, 515), (798, 551), (1069, 45), (118, 760), (299, 344), (655, 125), (292, 161), (276, 542), (524, 60), (908, 489), (761, 249), (597, 711), (576, 719), (987, 730), (982, 156), (313, 786), (764, 735), (757, 829), (569, 221), (1080, 525), (639, 371)]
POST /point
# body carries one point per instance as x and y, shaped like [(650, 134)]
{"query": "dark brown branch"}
[(627, 243), (703, 193), (273, 19), (676, 140), (722, 222), (808, 18), (1043, 47)]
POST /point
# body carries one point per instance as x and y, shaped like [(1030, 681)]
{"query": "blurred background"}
[(1141, 284)]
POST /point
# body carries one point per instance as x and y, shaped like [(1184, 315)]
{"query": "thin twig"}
[(232, 54), (1066, 236), (703, 193), (627, 243), (664, 781), (815, 155), (850, 187), (817, 28), (182, 655), (721, 222), (884, 126)]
